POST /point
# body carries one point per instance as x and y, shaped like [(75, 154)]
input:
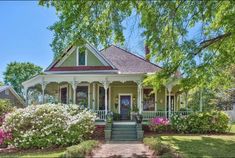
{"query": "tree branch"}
[(207, 43)]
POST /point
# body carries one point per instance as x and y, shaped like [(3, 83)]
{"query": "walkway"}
[(123, 149)]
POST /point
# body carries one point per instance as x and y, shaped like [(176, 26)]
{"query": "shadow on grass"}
[(202, 147)]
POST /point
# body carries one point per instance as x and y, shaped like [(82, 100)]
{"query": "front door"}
[(125, 107)]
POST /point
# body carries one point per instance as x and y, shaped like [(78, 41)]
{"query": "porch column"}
[(43, 92), (169, 101), (93, 96), (139, 97), (106, 86), (74, 86)]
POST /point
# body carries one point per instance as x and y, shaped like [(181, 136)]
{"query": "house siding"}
[(11, 97), (70, 61)]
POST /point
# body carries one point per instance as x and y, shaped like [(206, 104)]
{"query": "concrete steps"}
[(124, 132)]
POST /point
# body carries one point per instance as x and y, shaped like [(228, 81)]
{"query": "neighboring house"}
[(106, 80), (7, 92)]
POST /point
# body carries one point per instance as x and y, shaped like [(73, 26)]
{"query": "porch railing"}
[(151, 114), (100, 114)]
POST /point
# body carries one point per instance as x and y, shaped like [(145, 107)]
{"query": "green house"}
[(107, 80)]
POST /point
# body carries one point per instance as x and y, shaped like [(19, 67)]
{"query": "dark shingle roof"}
[(127, 62)]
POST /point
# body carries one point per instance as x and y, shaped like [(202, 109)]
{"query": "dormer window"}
[(81, 57)]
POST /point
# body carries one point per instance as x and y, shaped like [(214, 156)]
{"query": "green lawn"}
[(35, 154), (202, 146)]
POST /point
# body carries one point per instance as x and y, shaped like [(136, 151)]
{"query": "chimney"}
[(147, 53)]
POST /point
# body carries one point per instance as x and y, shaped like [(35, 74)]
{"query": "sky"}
[(24, 36)]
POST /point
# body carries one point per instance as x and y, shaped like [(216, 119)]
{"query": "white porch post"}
[(44, 84), (169, 101), (139, 97), (74, 86), (93, 96), (106, 86)]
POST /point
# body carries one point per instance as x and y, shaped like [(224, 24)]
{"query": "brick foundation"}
[(99, 132)]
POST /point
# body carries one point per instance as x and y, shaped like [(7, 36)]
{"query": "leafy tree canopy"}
[(17, 72), (202, 57), (1, 83)]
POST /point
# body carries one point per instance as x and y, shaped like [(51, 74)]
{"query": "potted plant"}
[(134, 112)]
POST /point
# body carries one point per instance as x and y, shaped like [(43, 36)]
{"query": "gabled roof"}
[(93, 50), (115, 60), (3, 88), (126, 62)]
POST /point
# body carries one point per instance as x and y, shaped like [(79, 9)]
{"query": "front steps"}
[(123, 131)]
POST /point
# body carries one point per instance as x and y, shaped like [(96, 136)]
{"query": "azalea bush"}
[(159, 124), (201, 122), (4, 136), (49, 125)]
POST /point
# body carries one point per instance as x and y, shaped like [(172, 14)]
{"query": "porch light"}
[(116, 99), (133, 99)]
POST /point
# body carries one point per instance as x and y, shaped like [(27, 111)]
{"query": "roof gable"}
[(69, 60), (3, 88), (127, 62)]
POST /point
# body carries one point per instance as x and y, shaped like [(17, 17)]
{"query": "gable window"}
[(81, 57), (148, 99)]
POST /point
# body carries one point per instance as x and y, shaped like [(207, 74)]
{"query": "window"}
[(102, 98), (82, 95), (63, 95), (81, 55), (148, 100)]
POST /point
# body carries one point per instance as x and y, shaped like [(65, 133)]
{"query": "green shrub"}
[(82, 149), (48, 125), (156, 144), (201, 122), (5, 106)]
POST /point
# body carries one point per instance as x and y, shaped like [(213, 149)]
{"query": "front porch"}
[(120, 94)]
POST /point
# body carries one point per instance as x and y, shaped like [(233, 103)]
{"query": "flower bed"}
[(159, 124), (48, 125), (201, 122)]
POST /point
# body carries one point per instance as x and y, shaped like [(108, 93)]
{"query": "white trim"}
[(109, 98), (67, 96), (119, 97), (155, 99), (93, 96), (172, 94), (99, 55), (98, 95), (65, 57)]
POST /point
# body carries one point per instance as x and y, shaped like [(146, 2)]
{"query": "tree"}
[(17, 72), (1, 83), (167, 29)]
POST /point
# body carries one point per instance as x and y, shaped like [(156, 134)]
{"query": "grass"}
[(54, 154), (199, 145), (80, 150)]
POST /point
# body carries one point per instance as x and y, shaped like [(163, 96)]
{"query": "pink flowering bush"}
[(159, 124), (4, 136)]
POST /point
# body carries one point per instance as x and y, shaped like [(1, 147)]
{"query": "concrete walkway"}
[(123, 149)]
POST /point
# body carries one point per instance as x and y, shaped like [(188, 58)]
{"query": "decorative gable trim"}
[(71, 49)]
